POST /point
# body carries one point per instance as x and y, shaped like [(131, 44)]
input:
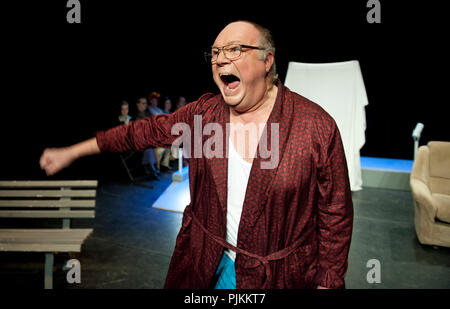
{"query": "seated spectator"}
[(148, 156), (181, 101), (142, 109), (124, 118), (167, 107), (153, 108), (162, 155)]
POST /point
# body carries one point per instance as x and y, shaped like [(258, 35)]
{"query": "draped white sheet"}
[(339, 89)]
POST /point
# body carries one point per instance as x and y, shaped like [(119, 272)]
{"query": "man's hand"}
[(55, 159), (321, 288)]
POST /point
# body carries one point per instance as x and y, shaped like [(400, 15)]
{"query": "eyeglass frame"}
[(206, 54)]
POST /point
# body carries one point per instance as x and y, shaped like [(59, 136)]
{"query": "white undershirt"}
[(238, 174)]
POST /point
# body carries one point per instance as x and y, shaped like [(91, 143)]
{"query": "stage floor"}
[(133, 242)]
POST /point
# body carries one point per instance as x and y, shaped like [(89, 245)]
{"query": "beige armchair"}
[(430, 186)]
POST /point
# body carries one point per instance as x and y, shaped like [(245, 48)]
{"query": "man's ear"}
[(269, 61)]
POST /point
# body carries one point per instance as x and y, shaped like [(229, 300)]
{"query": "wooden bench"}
[(64, 200)]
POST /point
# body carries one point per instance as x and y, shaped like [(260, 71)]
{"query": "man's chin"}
[(232, 100)]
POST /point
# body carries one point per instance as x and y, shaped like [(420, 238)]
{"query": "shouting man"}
[(286, 224)]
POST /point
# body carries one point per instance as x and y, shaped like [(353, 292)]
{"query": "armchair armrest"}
[(422, 195)]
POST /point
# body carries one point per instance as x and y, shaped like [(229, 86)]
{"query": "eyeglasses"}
[(231, 52)]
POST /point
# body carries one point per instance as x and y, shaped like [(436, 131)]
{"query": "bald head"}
[(241, 31)]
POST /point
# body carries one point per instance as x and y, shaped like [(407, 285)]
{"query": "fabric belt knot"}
[(257, 259)]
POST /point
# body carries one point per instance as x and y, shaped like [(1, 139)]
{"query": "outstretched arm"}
[(136, 136), (55, 159)]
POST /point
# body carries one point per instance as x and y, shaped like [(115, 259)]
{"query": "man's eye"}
[(214, 52), (233, 49)]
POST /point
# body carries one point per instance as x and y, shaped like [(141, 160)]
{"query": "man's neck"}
[(260, 111)]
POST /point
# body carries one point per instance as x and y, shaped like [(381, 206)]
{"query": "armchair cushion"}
[(442, 203)]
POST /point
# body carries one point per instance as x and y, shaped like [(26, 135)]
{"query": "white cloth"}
[(238, 174), (339, 89)]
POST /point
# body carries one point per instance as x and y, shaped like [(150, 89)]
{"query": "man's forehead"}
[(237, 33)]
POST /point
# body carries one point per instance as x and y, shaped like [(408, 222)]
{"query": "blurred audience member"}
[(181, 101), (148, 157), (142, 109), (153, 108), (124, 118), (167, 107), (162, 155)]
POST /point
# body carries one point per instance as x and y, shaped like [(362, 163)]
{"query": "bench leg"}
[(48, 273), (66, 223)]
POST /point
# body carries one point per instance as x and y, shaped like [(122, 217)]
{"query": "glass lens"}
[(232, 51), (214, 53)]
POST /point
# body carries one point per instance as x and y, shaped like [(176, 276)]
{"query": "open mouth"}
[(231, 81)]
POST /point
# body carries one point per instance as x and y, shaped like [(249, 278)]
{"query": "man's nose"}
[(221, 59)]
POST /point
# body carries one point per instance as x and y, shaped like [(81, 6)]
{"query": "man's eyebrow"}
[(228, 43)]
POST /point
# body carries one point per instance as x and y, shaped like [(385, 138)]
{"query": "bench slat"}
[(47, 193), (47, 231), (71, 238), (43, 240), (69, 241), (47, 214), (56, 232), (48, 183), (39, 247), (48, 203)]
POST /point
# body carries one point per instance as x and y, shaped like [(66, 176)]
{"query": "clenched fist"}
[(55, 159)]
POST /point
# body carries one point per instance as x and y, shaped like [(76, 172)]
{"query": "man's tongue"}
[(230, 81), (233, 85)]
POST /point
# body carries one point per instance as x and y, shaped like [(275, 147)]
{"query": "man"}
[(154, 108), (142, 111), (287, 226)]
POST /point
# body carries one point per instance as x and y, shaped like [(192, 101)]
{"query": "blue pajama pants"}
[(226, 273)]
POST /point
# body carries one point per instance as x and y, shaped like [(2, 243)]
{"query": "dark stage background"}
[(62, 82)]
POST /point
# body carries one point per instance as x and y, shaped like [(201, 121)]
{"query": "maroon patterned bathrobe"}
[(297, 219)]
